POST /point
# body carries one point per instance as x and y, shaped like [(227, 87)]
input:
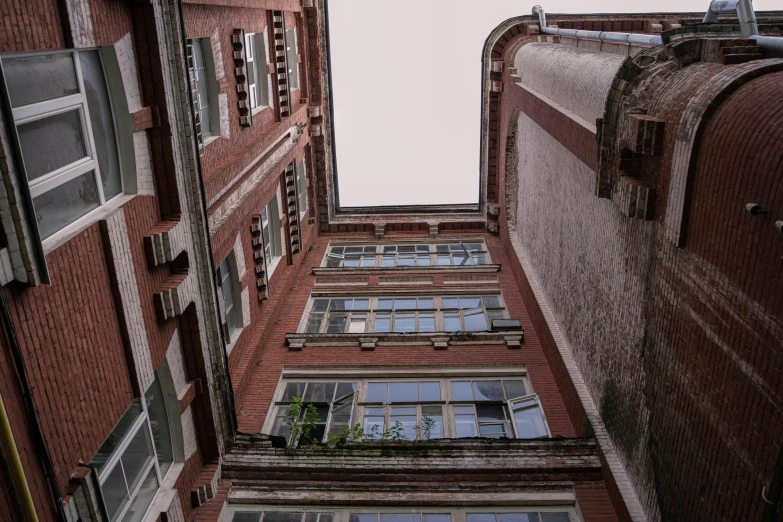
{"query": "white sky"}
[(406, 84)]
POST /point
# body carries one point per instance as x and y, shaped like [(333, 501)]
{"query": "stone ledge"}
[(371, 340), (484, 269)]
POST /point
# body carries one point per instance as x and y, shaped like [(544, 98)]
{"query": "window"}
[(135, 457), (272, 233), (455, 254), (494, 406), (258, 79), (464, 313), (62, 111), (333, 401), (228, 280), (301, 187), (292, 58), (244, 513), (205, 88)]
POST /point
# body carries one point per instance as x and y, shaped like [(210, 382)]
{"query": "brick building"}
[(595, 340)]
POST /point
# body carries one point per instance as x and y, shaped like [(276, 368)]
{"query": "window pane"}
[(363, 517), (488, 391), (470, 302), (517, 517), (262, 82), (361, 304), (373, 421), (388, 260), (358, 323), (344, 388), (368, 260), (406, 260), (293, 389), (143, 498), (320, 305), (514, 389), (385, 304), (435, 415), (429, 391), (423, 260), (400, 517), (116, 436), (382, 322), (553, 517), (444, 259), (475, 320), (403, 392), (336, 323), (65, 204), (341, 416), (351, 262), (441, 248), (137, 455), (319, 392), (466, 425), (491, 301), (435, 517), (159, 422), (51, 143), (280, 427), (426, 303), (450, 302), (451, 322), (461, 259), (407, 419), (246, 517), (493, 431), (114, 492), (404, 323), (479, 259), (481, 517), (405, 304), (530, 423), (491, 412), (101, 122), (376, 392), (314, 323), (461, 391), (292, 58), (32, 79), (333, 261), (274, 516), (340, 304), (426, 322)]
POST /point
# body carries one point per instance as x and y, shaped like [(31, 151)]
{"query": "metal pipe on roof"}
[(745, 14), (604, 36)]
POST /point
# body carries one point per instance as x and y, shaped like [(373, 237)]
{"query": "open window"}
[(292, 58), (259, 81), (333, 403), (272, 233), (230, 288), (205, 89), (64, 125)]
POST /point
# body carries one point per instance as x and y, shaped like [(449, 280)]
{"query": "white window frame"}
[(458, 514), (261, 72), (141, 423), (373, 310), (232, 278), (295, 53), (213, 89), (375, 251), (362, 379), (47, 108), (301, 186), (274, 240)]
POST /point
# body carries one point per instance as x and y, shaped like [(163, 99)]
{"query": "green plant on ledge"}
[(302, 428)]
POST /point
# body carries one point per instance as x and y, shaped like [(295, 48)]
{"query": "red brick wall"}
[(714, 366), (31, 26), (74, 356)]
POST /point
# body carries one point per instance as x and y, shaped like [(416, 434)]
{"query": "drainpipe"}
[(15, 463), (744, 10), (604, 36)]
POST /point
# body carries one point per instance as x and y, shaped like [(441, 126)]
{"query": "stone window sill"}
[(485, 269), (438, 340)]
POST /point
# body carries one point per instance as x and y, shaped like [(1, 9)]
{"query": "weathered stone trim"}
[(480, 269), (297, 341)]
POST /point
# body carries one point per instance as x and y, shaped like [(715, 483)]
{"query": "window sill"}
[(166, 495), (210, 139), (273, 266), (370, 340), (58, 239), (232, 342), (484, 269)]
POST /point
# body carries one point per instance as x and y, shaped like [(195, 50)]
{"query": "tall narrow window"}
[(228, 281), (292, 58), (135, 457), (301, 185), (258, 80), (64, 122), (205, 87), (272, 229)]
